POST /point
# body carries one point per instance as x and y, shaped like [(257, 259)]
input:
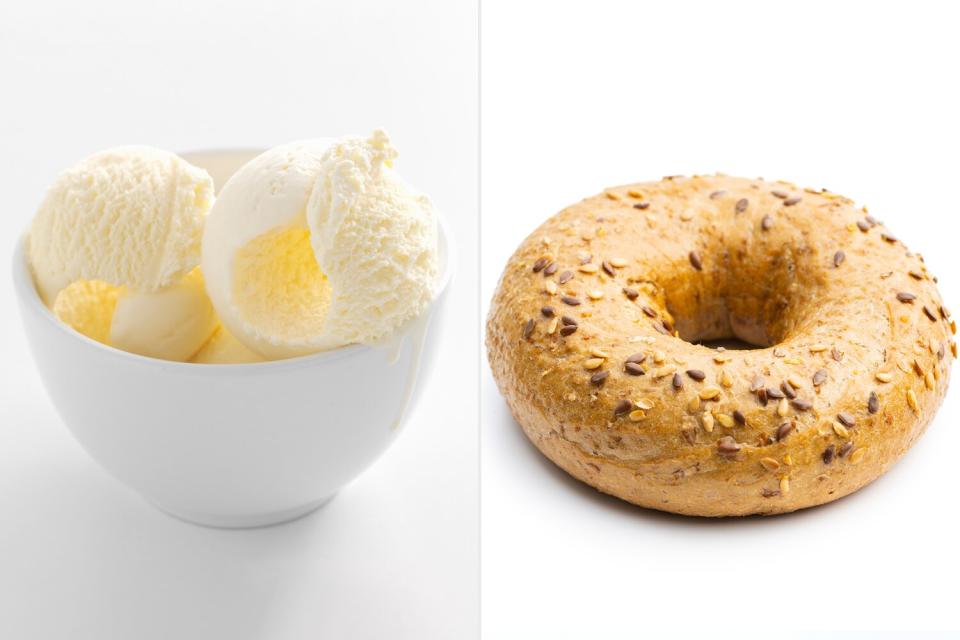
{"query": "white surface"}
[(395, 554), (859, 98)]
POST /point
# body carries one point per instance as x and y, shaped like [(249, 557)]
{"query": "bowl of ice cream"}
[(231, 436)]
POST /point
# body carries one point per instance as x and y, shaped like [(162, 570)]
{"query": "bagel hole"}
[(717, 323), (729, 344)]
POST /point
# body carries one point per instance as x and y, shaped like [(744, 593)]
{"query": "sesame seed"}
[(568, 329), (828, 454), (528, 328), (696, 374), (707, 420), (741, 205), (709, 393), (725, 379), (637, 415), (912, 399), (634, 369), (592, 363), (644, 404), (588, 268), (857, 455), (784, 430), (725, 419), (727, 445), (838, 258), (599, 377), (774, 393), (663, 372), (906, 297), (770, 464), (766, 223), (784, 484), (550, 287), (783, 408), (788, 390), (693, 404), (818, 348), (618, 262), (696, 261), (552, 327), (840, 430), (595, 294)]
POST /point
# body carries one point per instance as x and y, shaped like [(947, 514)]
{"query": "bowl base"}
[(245, 521)]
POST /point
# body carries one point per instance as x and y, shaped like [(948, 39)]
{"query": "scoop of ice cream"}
[(224, 348), (318, 244), (130, 216), (261, 274), (171, 323), (374, 237), (114, 246)]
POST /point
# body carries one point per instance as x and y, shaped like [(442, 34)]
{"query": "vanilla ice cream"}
[(114, 247), (318, 244)]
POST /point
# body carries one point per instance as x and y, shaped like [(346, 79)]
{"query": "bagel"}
[(595, 336)]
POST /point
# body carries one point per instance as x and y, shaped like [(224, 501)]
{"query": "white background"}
[(860, 97), (395, 555)]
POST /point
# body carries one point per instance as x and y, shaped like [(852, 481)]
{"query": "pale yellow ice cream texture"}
[(114, 249), (319, 244)]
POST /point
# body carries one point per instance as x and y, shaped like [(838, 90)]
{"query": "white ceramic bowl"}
[(235, 445)]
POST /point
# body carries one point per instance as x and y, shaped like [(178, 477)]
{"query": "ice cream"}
[(114, 248), (319, 244), (310, 246)]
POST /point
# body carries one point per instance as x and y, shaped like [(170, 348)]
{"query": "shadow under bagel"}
[(233, 445)]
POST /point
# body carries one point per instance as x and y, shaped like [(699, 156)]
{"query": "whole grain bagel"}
[(593, 330)]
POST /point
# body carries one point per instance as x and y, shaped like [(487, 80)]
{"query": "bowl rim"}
[(26, 291)]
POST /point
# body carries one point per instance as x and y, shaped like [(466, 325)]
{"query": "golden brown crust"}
[(855, 356)]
